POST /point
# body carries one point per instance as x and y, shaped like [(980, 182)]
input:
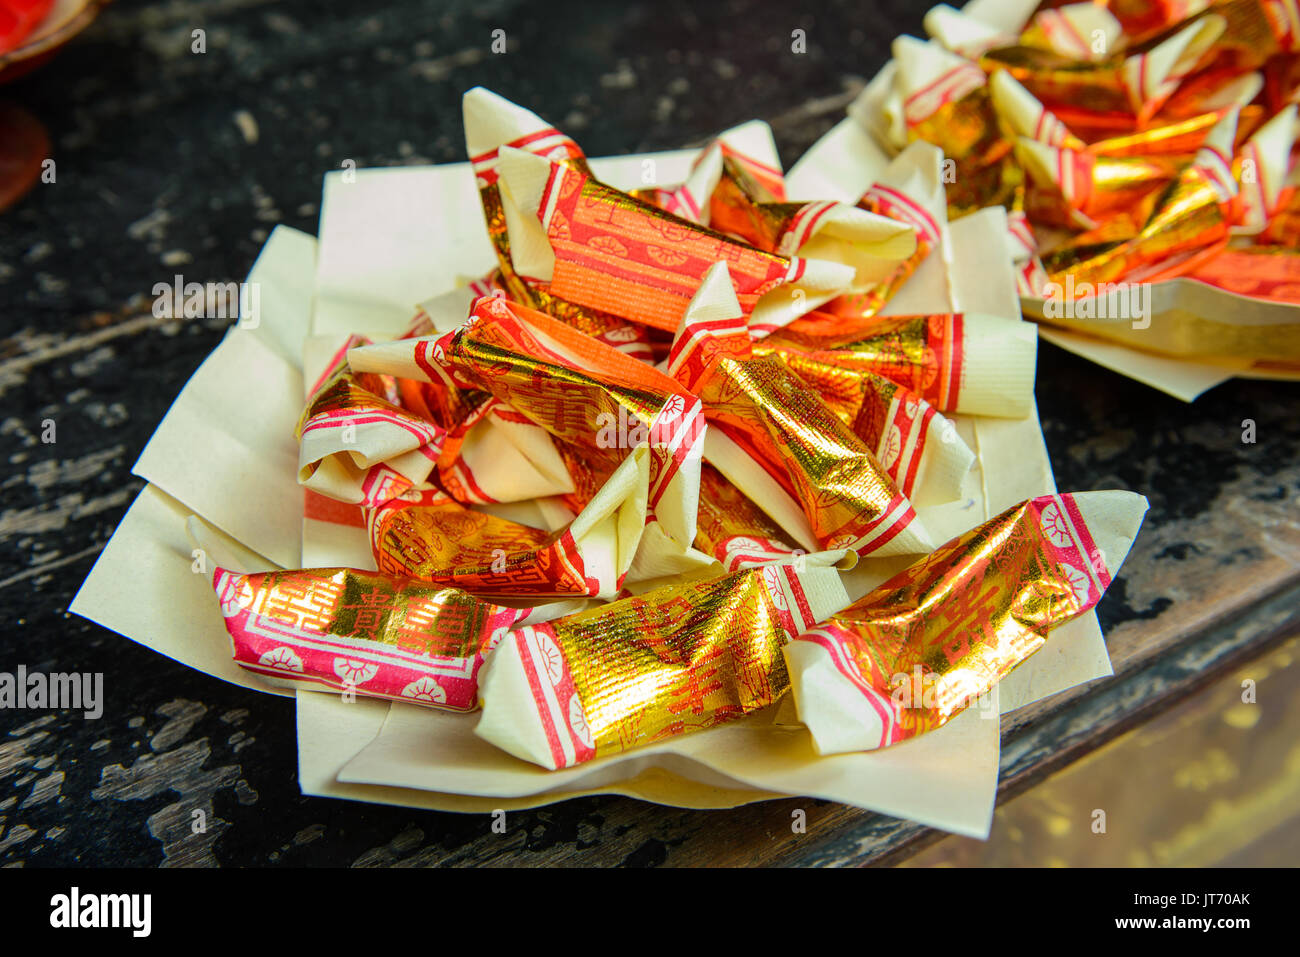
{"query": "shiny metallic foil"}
[(947, 629), (736, 205), (347, 391), (1189, 216), (845, 493), (729, 523), (501, 356), (968, 132), (437, 540), (1105, 186), (1284, 227), (1056, 80), (679, 659), (1256, 30), (415, 617), (1177, 140), (620, 255), (920, 353), (538, 295)]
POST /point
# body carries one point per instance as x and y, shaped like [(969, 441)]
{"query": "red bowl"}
[(39, 28)]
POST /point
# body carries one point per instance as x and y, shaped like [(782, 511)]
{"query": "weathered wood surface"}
[(171, 162)]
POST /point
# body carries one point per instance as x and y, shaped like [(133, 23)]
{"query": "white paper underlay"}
[(407, 755), (1181, 378)]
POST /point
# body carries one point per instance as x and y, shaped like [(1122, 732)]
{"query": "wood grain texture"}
[(172, 162)]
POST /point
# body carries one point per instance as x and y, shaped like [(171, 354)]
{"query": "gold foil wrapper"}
[(676, 660), (498, 353), (1283, 228), (1097, 187), (921, 353), (431, 538), (1180, 139), (1189, 217), (928, 642), (537, 294), (968, 132), (1060, 82), (734, 530), (738, 203), (848, 498)]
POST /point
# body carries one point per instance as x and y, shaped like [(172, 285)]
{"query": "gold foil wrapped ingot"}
[(1191, 216), (913, 654), (678, 659), (846, 496), (431, 538)]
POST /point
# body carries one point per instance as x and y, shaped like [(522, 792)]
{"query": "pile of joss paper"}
[(615, 490), (1132, 143)]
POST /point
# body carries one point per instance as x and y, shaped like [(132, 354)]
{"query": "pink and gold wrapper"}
[(362, 632), (358, 442), (913, 654)]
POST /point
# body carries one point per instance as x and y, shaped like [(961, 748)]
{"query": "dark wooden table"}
[(160, 171)]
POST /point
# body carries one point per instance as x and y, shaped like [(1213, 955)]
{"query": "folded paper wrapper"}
[(1195, 326), (233, 426), (907, 657)]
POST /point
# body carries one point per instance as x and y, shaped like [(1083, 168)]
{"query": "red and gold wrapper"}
[(723, 186), (947, 102), (594, 402), (1179, 139), (1079, 31), (913, 654), (734, 530), (359, 443), (432, 538), (911, 191), (1261, 272), (647, 669), (1192, 216), (1143, 20), (1079, 188), (846, 496), (1283, 228), (917, 447), (609, 251), (361, 632), (883, 238), (492, 123), (743, 183), (1254, 31), (1117, 94), (954, 362)]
